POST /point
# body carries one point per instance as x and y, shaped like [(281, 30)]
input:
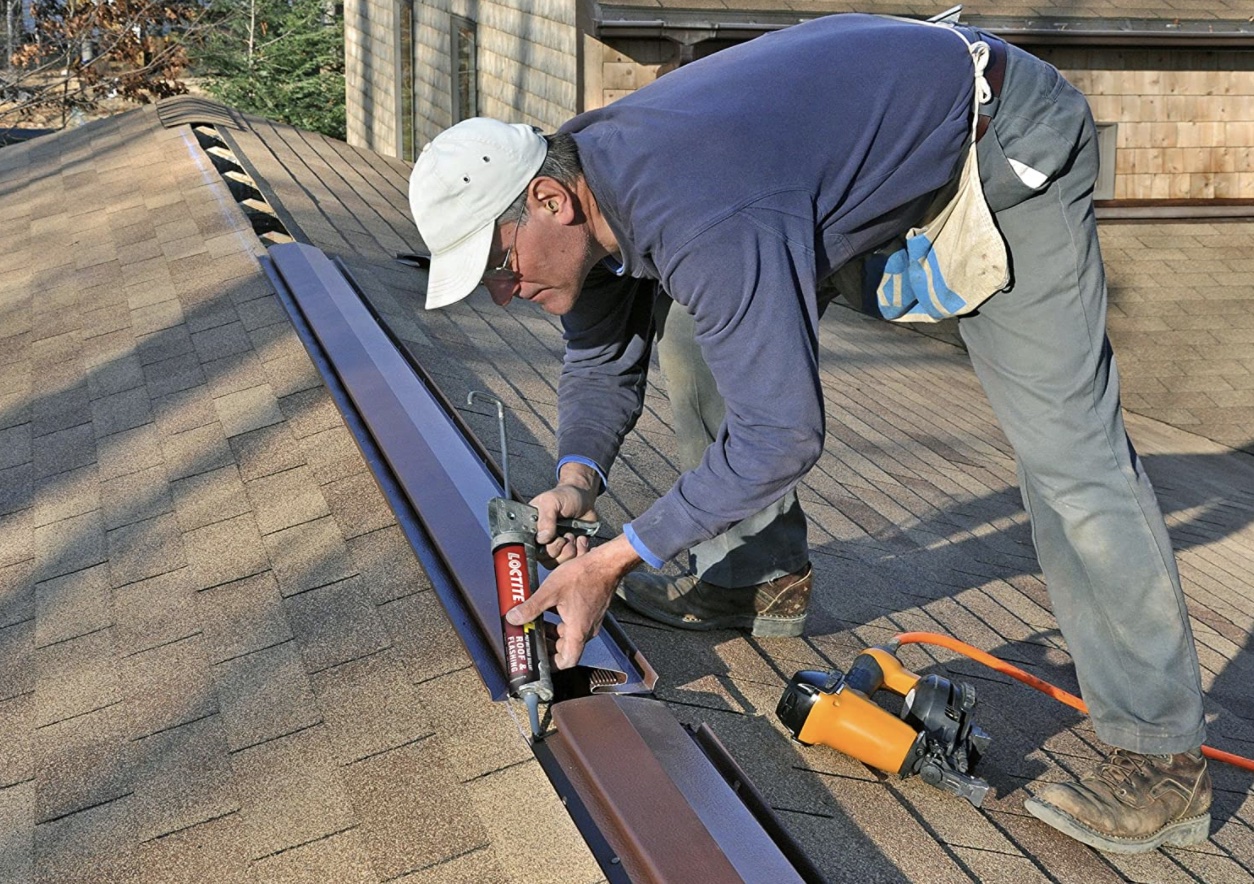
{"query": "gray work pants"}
[(1040, 350), (764, 546)]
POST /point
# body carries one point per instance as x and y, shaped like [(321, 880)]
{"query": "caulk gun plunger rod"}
[(500, 423)]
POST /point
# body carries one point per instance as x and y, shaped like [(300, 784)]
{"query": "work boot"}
[(772, 609), (1132, 803)]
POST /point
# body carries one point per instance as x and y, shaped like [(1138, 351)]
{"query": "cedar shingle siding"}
[(1185, 117), (526, 65)]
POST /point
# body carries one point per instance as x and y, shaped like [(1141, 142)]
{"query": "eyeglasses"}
[(503, 281)]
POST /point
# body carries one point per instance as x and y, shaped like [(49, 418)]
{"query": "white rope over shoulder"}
[(980, 57)]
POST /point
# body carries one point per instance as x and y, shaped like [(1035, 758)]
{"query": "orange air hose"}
[(953, 644)]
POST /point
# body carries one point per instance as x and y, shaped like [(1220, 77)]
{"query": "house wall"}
[(527, 65), (371, 74), (1185, 117), (527, 57), (626, 65)]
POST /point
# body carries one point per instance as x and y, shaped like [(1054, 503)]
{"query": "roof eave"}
[(1121, 32), (688, 26)]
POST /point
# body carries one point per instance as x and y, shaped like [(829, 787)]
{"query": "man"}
[(738, 183)]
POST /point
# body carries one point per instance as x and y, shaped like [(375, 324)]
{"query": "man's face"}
[(540, 260)]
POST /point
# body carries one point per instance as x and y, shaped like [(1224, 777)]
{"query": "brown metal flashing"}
[(657, 799)]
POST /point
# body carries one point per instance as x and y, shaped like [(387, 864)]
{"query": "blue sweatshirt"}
[(739, 182)]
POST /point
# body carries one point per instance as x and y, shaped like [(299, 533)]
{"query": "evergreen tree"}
[(280, 59)]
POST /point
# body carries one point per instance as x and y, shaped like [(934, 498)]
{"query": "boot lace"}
[(1121, 767)]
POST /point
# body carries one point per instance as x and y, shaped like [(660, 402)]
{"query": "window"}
[(405, 25), (1107, 137), (465, 69)]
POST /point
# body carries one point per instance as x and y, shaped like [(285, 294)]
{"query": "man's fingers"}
[(555, 548), (546, 516), (562, 501), (546, 521), (569, 650), (567, 547)]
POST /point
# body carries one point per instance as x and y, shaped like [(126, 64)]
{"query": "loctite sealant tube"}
[(513, 527), (513, 587)]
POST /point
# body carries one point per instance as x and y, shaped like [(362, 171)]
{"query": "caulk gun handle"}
[(578, 526)]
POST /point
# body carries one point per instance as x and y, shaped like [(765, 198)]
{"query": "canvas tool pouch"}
[(953, 261)]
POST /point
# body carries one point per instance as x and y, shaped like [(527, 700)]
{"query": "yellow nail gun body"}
[(934, 736)]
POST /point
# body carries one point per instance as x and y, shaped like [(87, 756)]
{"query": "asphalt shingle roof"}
[(213, 654), (219, 661), (1180, 316)]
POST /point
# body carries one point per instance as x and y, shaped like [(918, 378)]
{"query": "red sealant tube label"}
[(512, 588)]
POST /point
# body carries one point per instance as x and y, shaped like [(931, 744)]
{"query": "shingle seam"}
[(269, 534), (319, 723), (4, 699), (86, 423), (385, 751), (79, 635), (810, 813), (448, 859), (146, 576), (164, 644), (76, 715), (52, 819), (190, 826), (228, 582), (308, 589), (438, 675), (402, 596), (522, 762), (320, 669), (292, 847), (174, 727), (251, 651)]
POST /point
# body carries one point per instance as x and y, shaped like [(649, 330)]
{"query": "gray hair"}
[(561, 163)]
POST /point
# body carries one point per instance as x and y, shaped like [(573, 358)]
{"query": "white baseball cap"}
[(463, 181)]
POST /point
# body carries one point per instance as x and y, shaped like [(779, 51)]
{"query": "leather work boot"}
[(773, 609), (1132, 803)]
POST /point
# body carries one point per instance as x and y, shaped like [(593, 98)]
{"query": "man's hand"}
[(573, 498), (580, 591)]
